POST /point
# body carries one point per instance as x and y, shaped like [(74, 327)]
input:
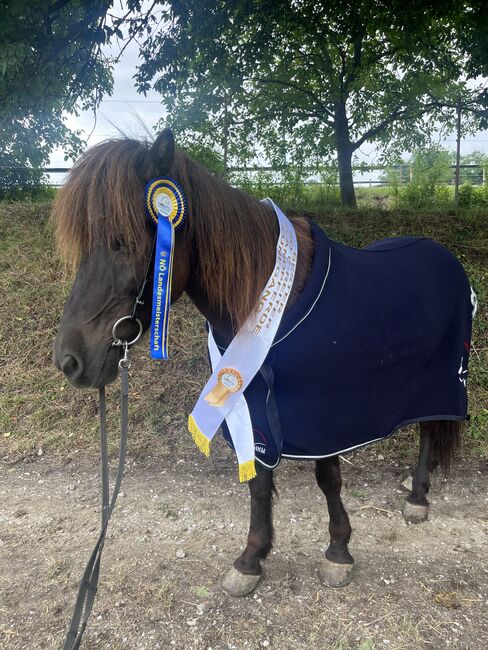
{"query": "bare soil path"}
[(178, 528)]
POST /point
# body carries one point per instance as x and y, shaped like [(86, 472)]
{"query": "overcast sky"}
[(125, 110)]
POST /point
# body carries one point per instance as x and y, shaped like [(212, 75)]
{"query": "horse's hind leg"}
[(416, 507), (246, 572), (339, 562), (439, 440)]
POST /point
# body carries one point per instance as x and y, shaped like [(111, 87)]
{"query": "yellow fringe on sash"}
[(201, 441), (247, 471)]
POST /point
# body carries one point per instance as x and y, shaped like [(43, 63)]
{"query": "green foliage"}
[(15, 183), (25, 185), (303, 80), (473, 175), (474, 158), (51, 62), (479, 425), (430, 168), (420, 197), (396, 174), (206, 156), (264, 184), (322, 195), (289, 190), (471, 196)]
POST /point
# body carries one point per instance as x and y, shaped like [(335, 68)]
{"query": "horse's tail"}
[(446, 440)]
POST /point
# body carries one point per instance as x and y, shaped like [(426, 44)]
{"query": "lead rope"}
[(89, 581)]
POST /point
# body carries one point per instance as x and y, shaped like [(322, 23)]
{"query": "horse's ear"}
[(162, 153)]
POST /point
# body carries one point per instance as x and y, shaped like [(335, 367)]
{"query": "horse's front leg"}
[(339, 562), (246, 572)]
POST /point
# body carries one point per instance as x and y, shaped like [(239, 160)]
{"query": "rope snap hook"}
[(125, 361)]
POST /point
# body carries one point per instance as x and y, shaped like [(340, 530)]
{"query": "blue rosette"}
[(166, 208)]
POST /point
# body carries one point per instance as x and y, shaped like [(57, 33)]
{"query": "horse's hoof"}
[(236, 583), (337, 575), (414, 513)]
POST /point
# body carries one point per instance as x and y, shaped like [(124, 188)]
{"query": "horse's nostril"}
[(71, 366)]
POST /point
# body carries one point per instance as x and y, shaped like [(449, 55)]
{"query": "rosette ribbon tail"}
[(163, 273)]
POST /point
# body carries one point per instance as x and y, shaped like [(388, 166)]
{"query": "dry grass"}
[(40, 411)]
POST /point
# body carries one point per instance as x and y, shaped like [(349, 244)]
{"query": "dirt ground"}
[(179, 525)]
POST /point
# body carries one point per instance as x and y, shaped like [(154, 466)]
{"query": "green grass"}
[(38, 407)]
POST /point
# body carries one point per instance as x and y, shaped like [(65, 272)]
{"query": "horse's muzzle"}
[(85, 370)]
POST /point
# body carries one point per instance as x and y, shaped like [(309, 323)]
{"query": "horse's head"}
[(103, 232)]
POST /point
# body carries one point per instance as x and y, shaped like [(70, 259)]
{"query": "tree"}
[(51, 63), (316, 77)]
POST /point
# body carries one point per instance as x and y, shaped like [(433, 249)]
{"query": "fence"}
[(475, 174)]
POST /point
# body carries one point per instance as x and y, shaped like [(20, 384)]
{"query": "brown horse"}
[(223, 256)]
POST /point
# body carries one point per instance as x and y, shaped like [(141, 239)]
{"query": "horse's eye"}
[(119, 244)]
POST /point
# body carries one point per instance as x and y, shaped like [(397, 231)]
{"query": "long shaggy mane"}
[(233, 236)]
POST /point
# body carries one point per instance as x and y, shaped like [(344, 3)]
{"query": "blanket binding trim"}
[(456, 418), (427, 418), (312, 306)]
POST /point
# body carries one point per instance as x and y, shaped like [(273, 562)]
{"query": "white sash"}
[(222, 396), (239, 419)]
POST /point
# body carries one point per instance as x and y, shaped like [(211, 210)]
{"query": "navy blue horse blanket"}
[(379, 338)]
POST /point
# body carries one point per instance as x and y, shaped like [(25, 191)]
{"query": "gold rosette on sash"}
[(229, 381)]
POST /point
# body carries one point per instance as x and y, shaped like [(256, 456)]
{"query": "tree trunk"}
[(344, 156), (348, 194), (226, 141), (458, 155)]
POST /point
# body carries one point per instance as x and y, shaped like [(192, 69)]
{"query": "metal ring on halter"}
[(117, 341)]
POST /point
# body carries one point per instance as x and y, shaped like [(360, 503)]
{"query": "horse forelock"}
[(102, 202)]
